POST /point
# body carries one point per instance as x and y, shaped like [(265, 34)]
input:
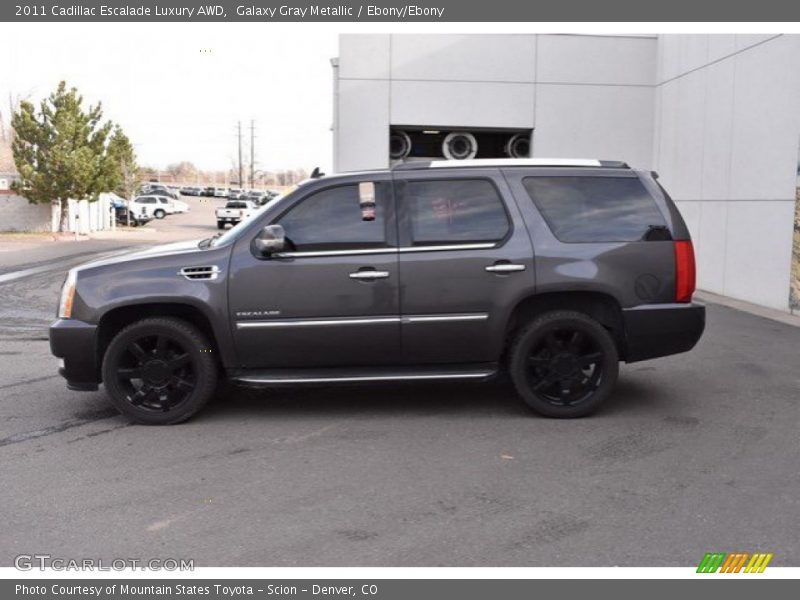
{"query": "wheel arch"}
[(117, 318), (602, 307)]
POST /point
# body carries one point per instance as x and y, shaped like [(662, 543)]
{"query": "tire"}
[(159, 214), (564, 364), (220, 225), (159, 371)]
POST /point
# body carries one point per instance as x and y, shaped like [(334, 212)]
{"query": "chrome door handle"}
[(505, 268), (368, 275)]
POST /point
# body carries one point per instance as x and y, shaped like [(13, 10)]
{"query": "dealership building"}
[(717, 116)]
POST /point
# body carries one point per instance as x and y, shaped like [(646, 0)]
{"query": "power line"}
[(240, 154), (252, 152)]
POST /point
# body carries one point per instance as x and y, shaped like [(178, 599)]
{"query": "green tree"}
[(61, 153), (125, 176), (124, 172)]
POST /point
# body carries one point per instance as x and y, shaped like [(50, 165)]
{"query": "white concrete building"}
[(718, 116)]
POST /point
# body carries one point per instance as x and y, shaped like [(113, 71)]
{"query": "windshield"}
[(234, 232)]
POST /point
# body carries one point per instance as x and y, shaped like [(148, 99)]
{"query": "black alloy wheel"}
[(564, 364), (159, 371)]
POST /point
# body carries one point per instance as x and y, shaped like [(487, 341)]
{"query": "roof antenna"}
[(316, 173)]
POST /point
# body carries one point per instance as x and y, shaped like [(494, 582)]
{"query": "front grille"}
[(193, 273)]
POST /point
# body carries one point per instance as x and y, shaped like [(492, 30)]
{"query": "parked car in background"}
[(135, 220), (220, 192), (147, 206), (235, 194), (256, 196), (179, 206), (209, 192), (160, 189), (234, 212), (157, 206)]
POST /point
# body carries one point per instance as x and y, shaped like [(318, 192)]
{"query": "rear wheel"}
[(159, 214), (159, 371), (220, 225), (564, 364)]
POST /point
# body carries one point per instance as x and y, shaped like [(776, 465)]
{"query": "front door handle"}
[(505, 268), (369, 275)]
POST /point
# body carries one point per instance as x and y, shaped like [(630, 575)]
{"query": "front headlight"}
[(67, 296)]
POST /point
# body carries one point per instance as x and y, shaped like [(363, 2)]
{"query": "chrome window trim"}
[(409, 319), (475, 375), (404, 249), (313, 253), (481, 246)]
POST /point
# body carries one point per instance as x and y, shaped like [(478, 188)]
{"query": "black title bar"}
[(399, 11)]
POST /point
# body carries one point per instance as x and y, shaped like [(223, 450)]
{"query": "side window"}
[(455, 211), (594, 209), (331, 219)]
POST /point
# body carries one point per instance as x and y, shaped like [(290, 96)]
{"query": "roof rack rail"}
[(511, 162)]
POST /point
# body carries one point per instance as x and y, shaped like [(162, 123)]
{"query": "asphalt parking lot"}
[(694, 453)]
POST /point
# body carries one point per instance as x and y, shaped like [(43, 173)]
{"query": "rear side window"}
[(594, 209), (331, 219), (455, 211)]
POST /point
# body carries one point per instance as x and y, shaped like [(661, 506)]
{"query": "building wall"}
[(716, 115), (727, 129), (582, 95)]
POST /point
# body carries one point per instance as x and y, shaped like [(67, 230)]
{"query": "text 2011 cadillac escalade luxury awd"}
[(551, 270)]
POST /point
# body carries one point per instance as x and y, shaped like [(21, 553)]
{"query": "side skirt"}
[(277, 377)]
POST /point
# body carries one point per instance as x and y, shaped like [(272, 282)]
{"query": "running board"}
[(269, 377)]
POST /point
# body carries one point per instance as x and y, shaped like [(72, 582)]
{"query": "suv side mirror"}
[(271, 239)]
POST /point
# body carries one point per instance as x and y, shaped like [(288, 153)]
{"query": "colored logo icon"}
[(736, 562)]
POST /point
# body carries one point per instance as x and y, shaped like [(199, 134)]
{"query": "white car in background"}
[(157, 207)]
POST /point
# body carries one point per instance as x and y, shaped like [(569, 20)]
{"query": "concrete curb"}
[(753, 309)]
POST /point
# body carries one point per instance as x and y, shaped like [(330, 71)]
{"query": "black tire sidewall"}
[(193, 342), (518, 362)]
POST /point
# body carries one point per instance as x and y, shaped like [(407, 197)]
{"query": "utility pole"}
[(240, 154), (252, 152)]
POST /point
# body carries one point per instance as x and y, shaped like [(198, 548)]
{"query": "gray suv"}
[(551, 271)]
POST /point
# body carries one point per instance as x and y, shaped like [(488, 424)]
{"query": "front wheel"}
[(220, 224), (159, 371), (564, 364)]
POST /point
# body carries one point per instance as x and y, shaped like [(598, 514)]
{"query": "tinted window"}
[(455, 211), (331, 220), (594, 209)]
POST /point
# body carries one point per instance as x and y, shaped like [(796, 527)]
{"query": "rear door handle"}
[(369, 275), (505, 268)]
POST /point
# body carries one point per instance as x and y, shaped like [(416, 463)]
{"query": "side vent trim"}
[(200, 273)]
